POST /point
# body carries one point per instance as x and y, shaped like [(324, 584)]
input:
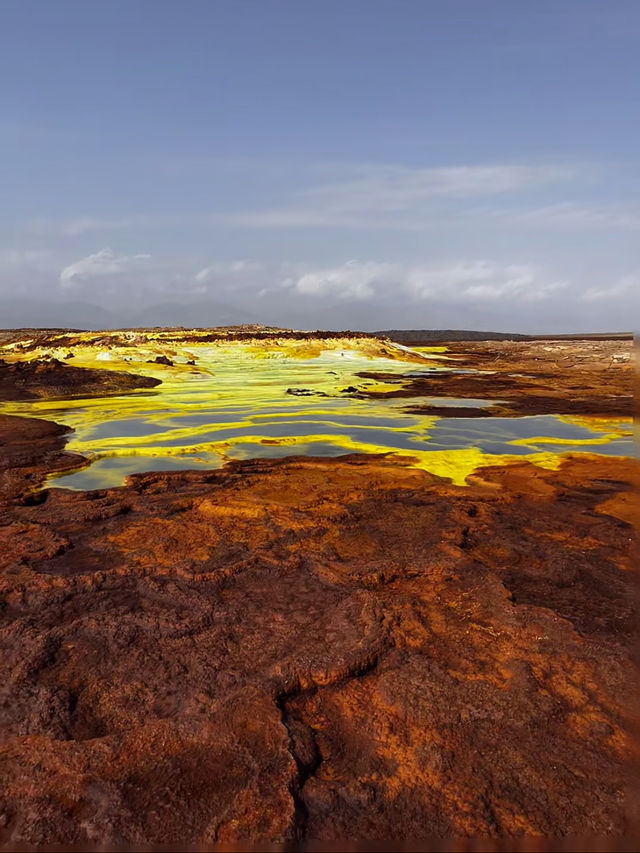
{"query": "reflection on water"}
[(235, 405)]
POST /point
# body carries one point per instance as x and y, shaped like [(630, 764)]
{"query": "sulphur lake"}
[(220, 402)]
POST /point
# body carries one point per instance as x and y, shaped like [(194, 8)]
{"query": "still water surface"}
[(233, 405)]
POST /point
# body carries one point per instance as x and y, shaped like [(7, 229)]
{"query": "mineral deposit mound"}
[(272, 589)]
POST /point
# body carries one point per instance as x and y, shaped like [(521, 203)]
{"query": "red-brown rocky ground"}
[(316, 650), (528, 378), (28, 380)]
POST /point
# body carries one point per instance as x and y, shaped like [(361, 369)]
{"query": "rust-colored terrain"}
[(531, 378), (52, 378), (325, 650)]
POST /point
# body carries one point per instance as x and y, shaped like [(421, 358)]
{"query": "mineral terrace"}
[(315, 589)]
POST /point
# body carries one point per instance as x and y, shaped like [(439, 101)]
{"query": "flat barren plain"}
[(277, 589)]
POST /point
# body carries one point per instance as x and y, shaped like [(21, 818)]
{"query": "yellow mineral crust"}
[(227, 399)]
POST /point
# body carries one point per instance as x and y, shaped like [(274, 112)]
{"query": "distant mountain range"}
[(424, 337), (31, 314), (292, 311), (357, 316), (192, 315), (23, 313)]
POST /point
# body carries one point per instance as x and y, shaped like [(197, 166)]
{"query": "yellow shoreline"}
[(246, 377)]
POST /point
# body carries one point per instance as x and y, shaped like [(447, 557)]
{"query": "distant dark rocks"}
[(305, 392)]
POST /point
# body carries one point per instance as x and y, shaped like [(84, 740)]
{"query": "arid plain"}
[(275, 588)]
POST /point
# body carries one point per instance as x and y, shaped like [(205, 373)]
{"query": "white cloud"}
[(460, 281), (143, 278), (352, 280), (102, 264), (390, 197), (574, 215), (14, 259), (232, 269), (482, 281), (78, 225), (518, 295), (627, 285), (397, 196), (140, 278), (397, 187)]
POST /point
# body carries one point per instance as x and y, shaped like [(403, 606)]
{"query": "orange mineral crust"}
[(315, 650), (571, 377)]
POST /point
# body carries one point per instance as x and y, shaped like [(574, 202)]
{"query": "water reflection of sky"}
[(239, 408), (399, 432)]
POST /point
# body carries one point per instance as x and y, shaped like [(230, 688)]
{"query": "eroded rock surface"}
[(528, 378), (29, 450), (303, 649), (28, 380)]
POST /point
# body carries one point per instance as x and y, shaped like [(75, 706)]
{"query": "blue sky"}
[(346, 163)]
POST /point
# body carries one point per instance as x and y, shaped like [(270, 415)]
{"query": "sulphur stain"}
[(222, 400)]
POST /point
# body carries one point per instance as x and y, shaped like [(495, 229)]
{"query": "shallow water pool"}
[(235, 404)]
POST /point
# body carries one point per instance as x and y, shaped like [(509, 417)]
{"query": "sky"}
[(364, 164)]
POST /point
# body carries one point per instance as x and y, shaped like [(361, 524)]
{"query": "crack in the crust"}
[(490, 813), (304, 769), (303, 745)]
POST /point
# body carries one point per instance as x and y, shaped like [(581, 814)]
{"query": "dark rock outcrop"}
[(28, 380)]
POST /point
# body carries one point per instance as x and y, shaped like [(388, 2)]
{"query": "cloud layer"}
[(104, 264), (507, 245), (398, 197), (365, 294)]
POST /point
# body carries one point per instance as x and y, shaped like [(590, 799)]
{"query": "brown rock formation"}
[(582, 377), (28, 380), (29, 450)]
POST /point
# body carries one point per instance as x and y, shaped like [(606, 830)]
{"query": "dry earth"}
[(530, 378)]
